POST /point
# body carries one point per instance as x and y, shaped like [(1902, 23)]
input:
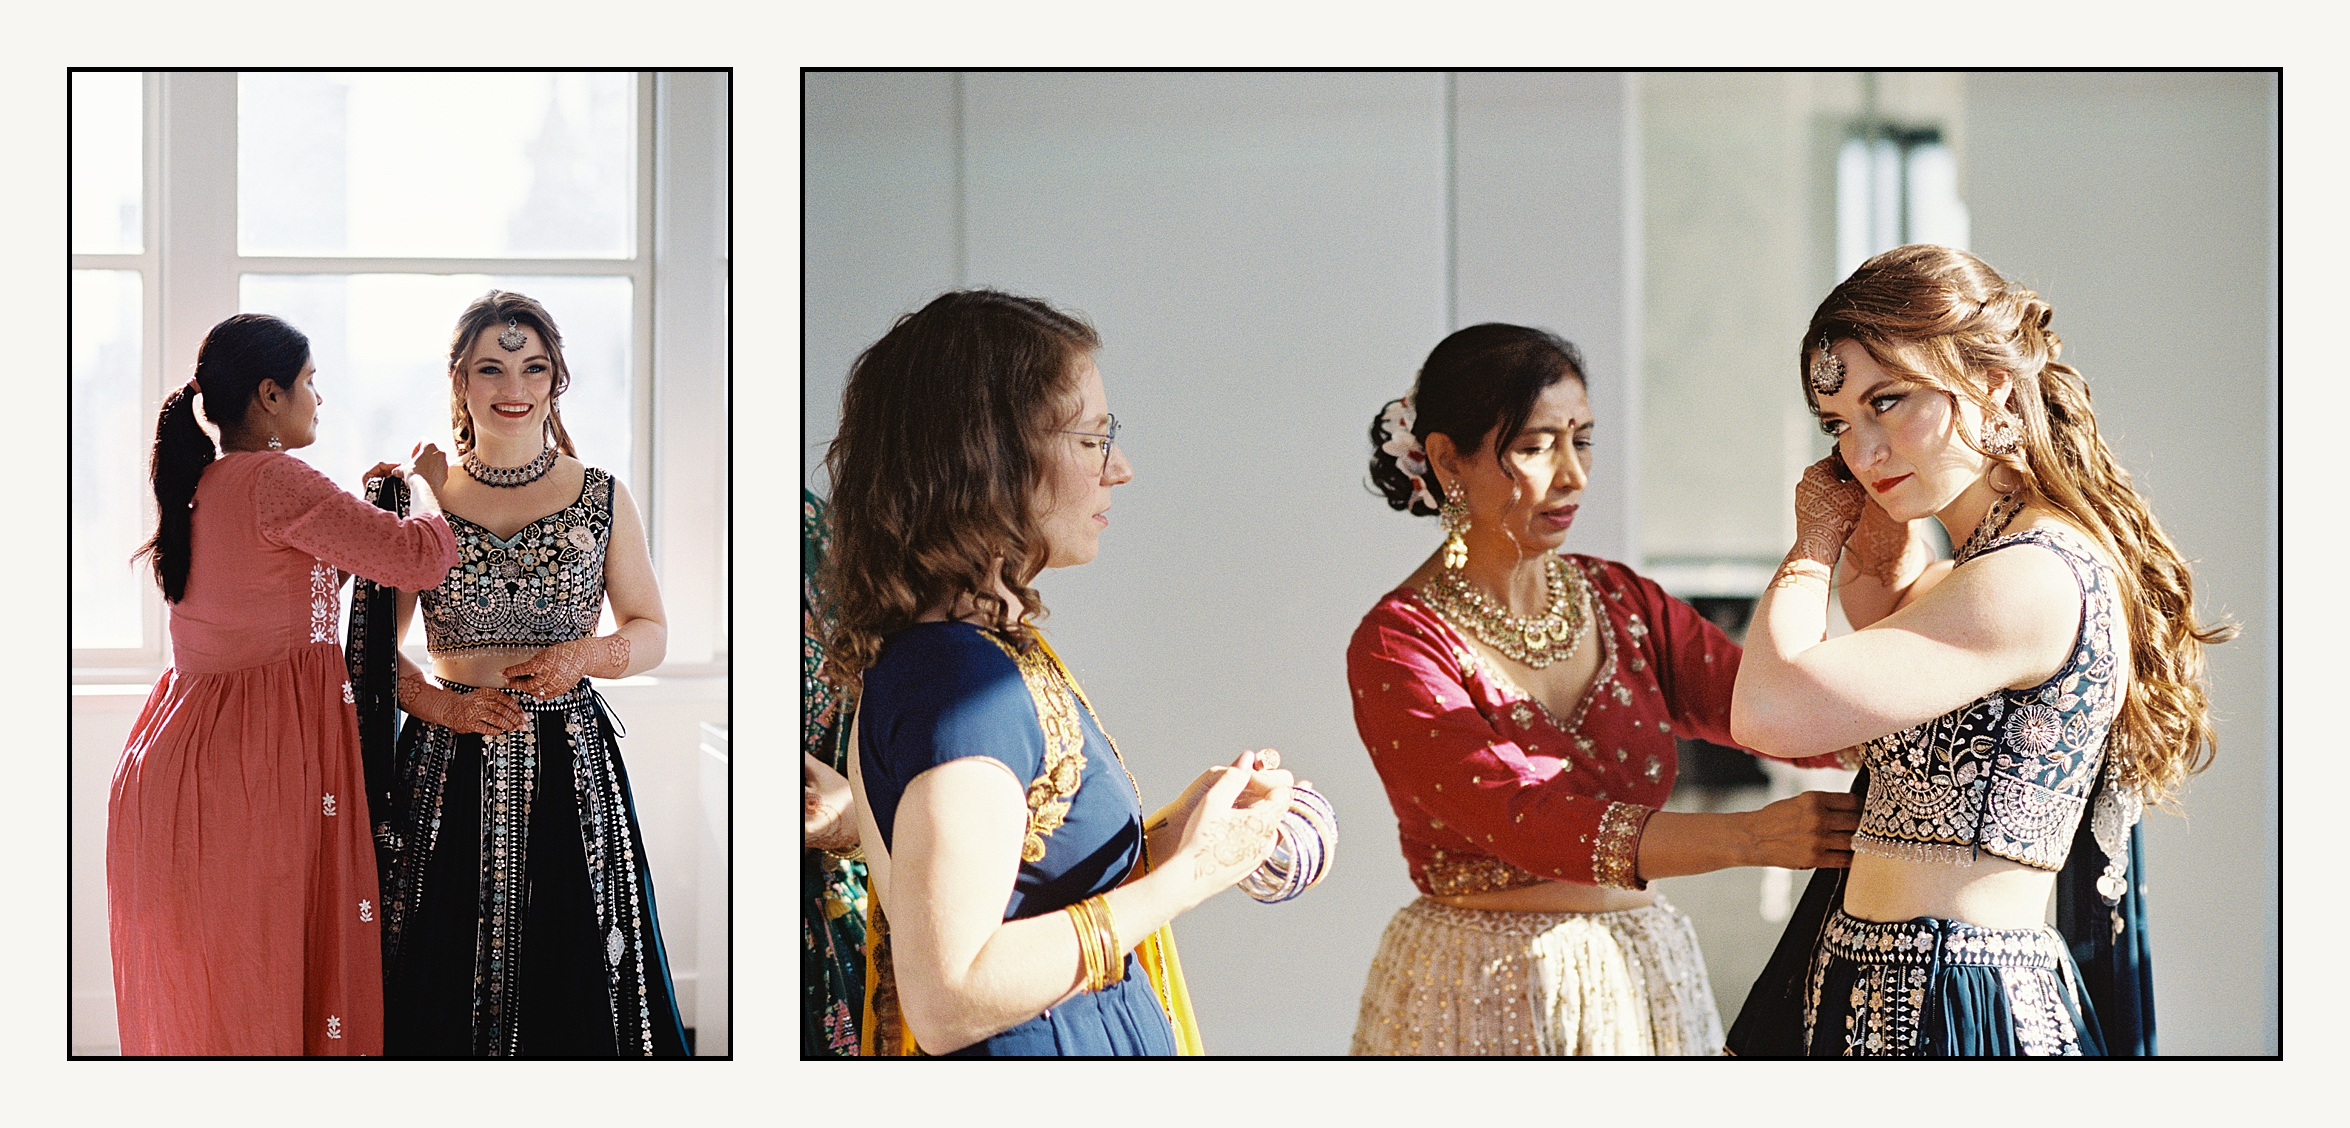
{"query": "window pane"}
[(511, 165), (113, 425), (109, 117), (381, 344)]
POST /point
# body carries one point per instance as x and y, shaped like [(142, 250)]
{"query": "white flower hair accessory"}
[(1397, 422)]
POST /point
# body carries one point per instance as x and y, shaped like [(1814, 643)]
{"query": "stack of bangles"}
[(1097, 942), (1302, 847)]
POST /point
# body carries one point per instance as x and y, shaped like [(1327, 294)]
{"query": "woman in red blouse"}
[(1521, 706)]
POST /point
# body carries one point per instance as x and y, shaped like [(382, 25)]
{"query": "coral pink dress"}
[(240, 873)]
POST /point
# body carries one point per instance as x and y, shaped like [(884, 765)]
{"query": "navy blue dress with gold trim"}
[(948, 691)]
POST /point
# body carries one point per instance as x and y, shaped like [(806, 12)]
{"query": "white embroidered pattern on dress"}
[(322, 605), (334, 1026), (326, 803), (366, 910)]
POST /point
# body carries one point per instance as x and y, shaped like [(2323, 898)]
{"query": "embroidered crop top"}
[(541, 586), (2009, 773)]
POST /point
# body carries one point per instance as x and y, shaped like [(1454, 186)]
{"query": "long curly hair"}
[(1944, 318), (496, 308), (937, 465)]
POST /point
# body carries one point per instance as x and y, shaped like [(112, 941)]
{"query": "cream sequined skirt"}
[(1469, 982)]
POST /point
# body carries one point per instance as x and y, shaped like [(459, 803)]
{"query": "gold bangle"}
[(1113, 957), (1081, 919)]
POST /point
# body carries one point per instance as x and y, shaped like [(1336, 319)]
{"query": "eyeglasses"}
[(1109, 441)]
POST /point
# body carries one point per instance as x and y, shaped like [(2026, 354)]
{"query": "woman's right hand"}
[(1826, 509), (1229, 831), (1809, 831), (427, 462)]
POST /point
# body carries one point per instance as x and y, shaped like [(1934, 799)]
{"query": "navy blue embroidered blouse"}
[(2009, 773)]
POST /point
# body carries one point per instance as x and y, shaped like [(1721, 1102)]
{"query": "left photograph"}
[(400, 615)]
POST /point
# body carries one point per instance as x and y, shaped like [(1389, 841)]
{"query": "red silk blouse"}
[(1491, 790)]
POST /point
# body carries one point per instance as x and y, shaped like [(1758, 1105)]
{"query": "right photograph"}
[(1756, 564)]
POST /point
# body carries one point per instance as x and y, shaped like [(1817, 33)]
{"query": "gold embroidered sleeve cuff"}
[(1615, 856)]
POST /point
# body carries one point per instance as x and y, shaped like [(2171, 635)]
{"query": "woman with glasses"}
[(1521, 705), (1020, 899), (518, 900), (241, 898)]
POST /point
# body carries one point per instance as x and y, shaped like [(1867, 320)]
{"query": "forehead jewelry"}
[(512, 339), (1827, 372)]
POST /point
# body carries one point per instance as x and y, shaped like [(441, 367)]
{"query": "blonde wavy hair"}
[(1944, 318)]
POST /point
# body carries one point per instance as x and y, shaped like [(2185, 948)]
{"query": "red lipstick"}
[(1883, 484)]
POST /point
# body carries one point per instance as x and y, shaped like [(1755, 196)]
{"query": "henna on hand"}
[(486, 713), (1885, 548), (553, 671), (1825, 511), (1229, 842)]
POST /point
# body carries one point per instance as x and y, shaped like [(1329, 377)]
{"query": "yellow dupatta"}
[(884, 1032)]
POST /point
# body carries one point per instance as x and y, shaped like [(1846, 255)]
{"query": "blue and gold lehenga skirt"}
[(1944, 988), (518, 906)]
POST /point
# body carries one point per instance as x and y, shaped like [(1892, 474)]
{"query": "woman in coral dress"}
[(240, 878)]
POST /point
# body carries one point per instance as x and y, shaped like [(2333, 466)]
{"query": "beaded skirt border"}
[(1888, 984)]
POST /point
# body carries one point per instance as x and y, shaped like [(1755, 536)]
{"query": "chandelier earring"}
[(1454, 514), (274, 444), (2001, 437)]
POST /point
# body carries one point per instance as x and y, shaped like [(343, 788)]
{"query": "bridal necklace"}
[(1536, 640), (506, 477), (1995, 521)]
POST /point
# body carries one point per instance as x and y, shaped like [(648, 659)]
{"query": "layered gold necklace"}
[(1536, 640)]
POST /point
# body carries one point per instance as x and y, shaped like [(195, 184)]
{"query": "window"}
[(368, 209), (1895, 186)]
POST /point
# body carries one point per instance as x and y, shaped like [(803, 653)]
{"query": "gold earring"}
[(1454, 514)]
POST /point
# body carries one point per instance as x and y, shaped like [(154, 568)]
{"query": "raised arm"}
[(300, 508), (2006, 619)]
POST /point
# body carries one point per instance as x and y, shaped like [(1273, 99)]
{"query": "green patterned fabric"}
[(832, 891)]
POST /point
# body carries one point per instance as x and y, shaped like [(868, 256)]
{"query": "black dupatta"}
[(370, 653)]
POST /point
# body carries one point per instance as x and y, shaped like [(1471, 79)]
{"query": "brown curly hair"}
[(936, 463), (496, 308), (1944, 318)]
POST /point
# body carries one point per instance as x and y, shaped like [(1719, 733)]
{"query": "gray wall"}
[(2144, 208), (1268, 258)]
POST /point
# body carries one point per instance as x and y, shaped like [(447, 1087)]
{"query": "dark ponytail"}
[(237, 355)]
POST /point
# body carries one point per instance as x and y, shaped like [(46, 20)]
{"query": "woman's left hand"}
[(826, 821), (1826, 509), (552, 672)]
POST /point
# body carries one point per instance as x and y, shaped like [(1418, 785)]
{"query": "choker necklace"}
[(510, 476), (1994, 523), (1535, 640)]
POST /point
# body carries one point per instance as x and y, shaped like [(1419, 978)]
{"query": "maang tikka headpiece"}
[(1827, 372), (512, 339)]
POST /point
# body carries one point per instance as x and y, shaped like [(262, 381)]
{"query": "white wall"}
[(1268, 258), (2144, 208)]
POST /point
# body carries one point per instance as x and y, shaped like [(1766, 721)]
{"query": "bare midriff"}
[(1552, 897), (483, 669), (1990, 891)]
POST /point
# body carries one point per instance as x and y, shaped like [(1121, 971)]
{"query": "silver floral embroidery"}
[(2009, 773), (323, 604)]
